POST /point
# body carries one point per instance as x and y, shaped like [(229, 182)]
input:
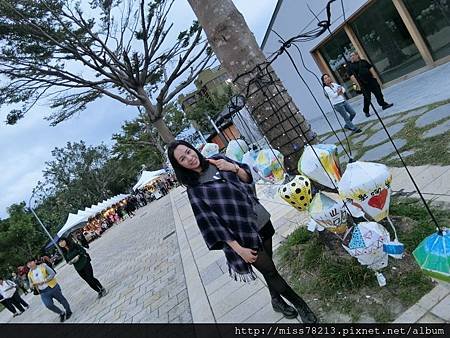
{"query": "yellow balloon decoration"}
[(297, 192)]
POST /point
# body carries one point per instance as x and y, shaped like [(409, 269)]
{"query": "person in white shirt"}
[(335, 93), (10, 297)]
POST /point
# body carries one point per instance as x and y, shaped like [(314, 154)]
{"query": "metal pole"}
[(222, 137), (43, 226)]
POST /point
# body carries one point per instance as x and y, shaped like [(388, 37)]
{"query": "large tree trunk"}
[(271, 106), (163, 130), (156, 118)]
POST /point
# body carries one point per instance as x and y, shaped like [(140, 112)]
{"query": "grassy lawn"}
[(339, 289), (433, 150)]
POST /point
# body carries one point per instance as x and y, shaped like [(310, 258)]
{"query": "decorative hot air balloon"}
[(367, 185), (249, 158), (433, 255), (366, 245), (297, 192), (269, 165), (210, 149), (394, 248), (328, 210), (313, 226), (236, 150), (321, 171)]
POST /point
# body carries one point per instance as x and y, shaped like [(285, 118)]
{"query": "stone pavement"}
[(433, 182), (434, 307), (214, 297), (373, 143), (414, 92), (139, 262)]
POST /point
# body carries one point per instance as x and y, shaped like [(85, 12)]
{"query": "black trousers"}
[(88, 275), (7, 304), (367, 89), (276, 284), (15, 302)]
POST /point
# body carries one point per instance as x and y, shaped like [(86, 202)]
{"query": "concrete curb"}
[(201, 310)]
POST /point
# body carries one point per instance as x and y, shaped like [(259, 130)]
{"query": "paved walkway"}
[(214, 297), (158, 270), (373, 143), (139, 262)]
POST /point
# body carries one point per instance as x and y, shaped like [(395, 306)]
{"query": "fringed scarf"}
[(224, 211)]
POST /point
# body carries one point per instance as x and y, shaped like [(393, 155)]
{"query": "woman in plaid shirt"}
[(230, 217)]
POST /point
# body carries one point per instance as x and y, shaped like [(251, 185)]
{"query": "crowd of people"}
[(18, 281), (116, 213), (38, 275)]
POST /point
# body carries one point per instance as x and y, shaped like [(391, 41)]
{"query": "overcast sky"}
[(26, 146)]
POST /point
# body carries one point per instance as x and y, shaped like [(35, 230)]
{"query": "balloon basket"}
[(394, 249)]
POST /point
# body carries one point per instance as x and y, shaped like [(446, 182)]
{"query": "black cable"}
[(349, 153), (323, 26), (407, 170), (312, 148), (399, 155)]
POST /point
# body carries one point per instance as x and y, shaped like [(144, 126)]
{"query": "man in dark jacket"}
[(361, 73)]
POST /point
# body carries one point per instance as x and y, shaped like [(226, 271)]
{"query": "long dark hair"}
[(185, 176), (323, 81), (69, 243)]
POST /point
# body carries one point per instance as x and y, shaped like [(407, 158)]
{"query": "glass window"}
[(432, 18), (336, 53), (387, 41)]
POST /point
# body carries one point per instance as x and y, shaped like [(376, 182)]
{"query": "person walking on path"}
[(19, 282), (11, 298), (45, 259), (230, 217), (7, 304), (82, 239), (42, 280), (23, 275), (362, 74), (75, 254), (335, 93)]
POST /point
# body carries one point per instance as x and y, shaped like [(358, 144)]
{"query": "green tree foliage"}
[(139, 142), (211, 104), (71, 55), (79, 176), (20, 238)]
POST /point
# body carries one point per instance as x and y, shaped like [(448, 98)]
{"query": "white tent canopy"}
[(72, 221), (82, 216), (148, 176)]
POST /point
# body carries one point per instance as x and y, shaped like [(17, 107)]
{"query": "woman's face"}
[(62, 243), (186, 157), (327, 80)]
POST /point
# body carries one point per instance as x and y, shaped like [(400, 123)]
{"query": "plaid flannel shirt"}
[(223, 209)]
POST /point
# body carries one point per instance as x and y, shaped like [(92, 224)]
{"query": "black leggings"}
[(15, 302), (276, 284), (88, 275)]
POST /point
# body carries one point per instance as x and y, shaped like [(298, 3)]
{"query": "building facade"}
[(401, 38), (208, 82)]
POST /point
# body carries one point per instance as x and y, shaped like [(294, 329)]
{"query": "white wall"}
[(293, 18)]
